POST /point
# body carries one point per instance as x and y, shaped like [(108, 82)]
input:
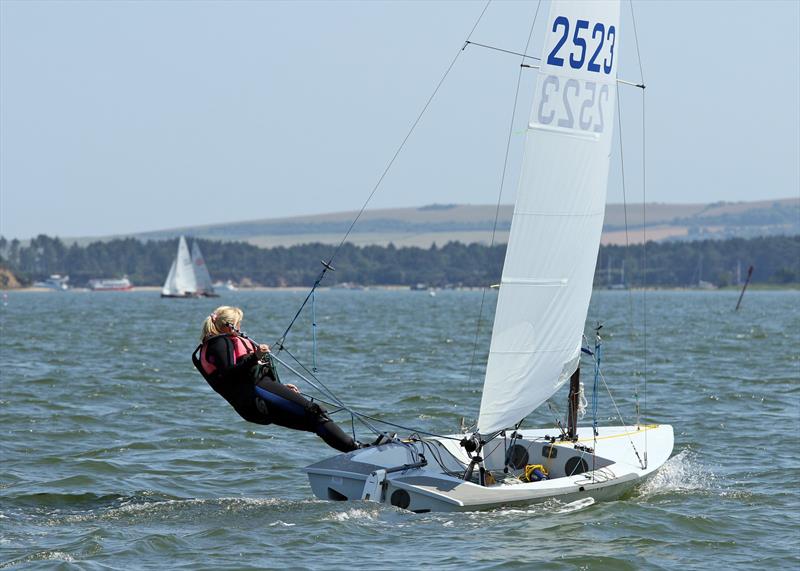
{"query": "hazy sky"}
[(130, 116)]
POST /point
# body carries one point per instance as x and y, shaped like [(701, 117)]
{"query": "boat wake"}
[(552, 506), (575, 506), (683, 473), (135, 508), (355, 514), (402, 518)]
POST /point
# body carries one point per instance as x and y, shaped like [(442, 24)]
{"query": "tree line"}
[(666, 264)]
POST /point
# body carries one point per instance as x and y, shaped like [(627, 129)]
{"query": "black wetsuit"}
[(253, 390)]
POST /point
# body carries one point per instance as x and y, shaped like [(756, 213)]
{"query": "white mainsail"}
[(204, 284), (558, 216), (181, 278)]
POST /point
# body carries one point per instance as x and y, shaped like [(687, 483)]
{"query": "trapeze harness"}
[(229, 364)]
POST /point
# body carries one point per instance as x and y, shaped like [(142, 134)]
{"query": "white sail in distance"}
[(550, 260), (168, 288), (202, 276), (181, 279)]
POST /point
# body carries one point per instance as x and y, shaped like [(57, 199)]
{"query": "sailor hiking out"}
[(242, 372)]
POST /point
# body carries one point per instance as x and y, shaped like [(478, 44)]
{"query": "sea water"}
[(115, 454)]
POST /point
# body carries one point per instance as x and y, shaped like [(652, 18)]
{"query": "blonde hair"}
[(219, 318)]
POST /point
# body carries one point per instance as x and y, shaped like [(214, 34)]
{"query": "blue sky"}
[(121, 117)]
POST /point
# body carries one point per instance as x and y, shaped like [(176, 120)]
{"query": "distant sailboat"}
[(182, 280)]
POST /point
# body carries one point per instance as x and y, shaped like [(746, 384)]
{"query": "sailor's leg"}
[(335, 437), (288, 409)]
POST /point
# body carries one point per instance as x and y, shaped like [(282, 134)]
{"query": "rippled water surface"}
[(117, 455)]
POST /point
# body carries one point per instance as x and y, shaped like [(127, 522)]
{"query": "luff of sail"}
[(555, 232), (204, 284)]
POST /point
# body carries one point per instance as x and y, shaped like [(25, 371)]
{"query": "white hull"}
[(110, 285), (611, 471)]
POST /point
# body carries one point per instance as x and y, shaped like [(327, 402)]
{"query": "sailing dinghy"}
[(188, 275), (543, 301)]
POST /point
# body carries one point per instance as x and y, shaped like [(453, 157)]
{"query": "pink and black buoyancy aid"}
[(240, 347), (235, 386)]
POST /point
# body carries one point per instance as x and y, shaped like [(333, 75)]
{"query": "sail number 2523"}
[(593, 57)]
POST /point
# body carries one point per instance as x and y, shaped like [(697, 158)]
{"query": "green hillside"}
[(468, 224)]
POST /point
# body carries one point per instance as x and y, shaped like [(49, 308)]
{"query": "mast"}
[(741, 295), (572, 401)]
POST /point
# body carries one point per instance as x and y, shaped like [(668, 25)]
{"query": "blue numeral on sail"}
[(600, 29), (552, 59), (612, 37), (579, 42)]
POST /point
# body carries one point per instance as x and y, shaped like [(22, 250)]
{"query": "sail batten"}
[(558, 216), (569, 133), (534, 281), (562, 214)]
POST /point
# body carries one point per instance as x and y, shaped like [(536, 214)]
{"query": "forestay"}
[(558, 216)]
